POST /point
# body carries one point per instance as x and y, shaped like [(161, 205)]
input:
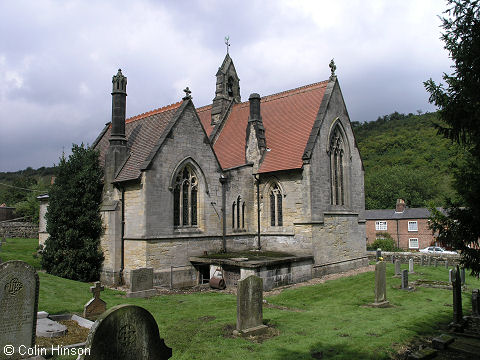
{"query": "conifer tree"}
[(459, 108), (73, 218)]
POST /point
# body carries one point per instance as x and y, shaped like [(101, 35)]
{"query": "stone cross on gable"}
[(96, 289), (187, 93)]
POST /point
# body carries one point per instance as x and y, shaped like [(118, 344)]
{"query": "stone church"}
[(278, 173)]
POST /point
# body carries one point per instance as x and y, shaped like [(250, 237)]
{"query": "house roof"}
[(288, 118), (390, 214), (143, 132)]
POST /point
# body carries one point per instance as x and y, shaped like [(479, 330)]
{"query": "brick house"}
[(279, 173), (407, 226)]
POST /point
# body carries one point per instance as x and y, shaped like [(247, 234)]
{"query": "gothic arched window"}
[(230, 86), (233, 214), (276, 215), (185, 198), (337, 179)]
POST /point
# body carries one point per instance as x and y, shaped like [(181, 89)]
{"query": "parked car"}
[(437, 250)]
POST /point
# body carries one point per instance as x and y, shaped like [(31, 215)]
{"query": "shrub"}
[(385, 242)]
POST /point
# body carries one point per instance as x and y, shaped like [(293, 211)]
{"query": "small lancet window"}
[(337, 152), (185, 198), (230, 86), (276, 214)]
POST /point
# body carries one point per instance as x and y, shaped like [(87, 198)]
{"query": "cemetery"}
[(246, 321)]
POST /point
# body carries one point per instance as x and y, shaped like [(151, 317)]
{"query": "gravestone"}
[(397, 267), (141, 283), (405, 279), (422, 260), (381, 285), (476, 302), (393, 259), (250, 306), (429, 261), (457, 300), (410, 266), (126, 332), (435, 262), (95, 306), (462, 275), (450, 275), (446, 263), (19, 285), (378, 254)]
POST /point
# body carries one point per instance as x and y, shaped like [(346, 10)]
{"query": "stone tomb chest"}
[(276, 269)]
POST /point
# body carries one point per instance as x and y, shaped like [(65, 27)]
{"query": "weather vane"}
[(333, 67), (226, 42)]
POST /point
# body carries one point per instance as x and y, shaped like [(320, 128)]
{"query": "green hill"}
[(404, 158)]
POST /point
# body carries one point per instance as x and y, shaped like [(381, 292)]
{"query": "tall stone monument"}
[(457, 323), (381, 285), (250, 306), (19, 285), (126, 332)]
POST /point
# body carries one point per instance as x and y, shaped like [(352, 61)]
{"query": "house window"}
[(276, 215), (412, 226), (336, 168), (380, 225), (185, 198), (413, 243)]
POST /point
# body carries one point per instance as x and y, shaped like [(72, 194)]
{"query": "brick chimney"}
[(400, 206)]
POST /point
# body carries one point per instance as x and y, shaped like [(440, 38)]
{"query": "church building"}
[(279, 173)]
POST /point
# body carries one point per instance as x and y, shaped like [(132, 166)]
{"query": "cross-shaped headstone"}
[(187, 93), (96, 289)]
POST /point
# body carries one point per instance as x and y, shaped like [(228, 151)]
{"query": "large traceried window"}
[(337, 178), (185, 198), (276, 215)]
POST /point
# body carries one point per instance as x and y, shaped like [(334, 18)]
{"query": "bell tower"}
[(227, 89)]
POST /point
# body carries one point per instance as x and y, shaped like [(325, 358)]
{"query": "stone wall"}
[(16, 229), (404, 257)]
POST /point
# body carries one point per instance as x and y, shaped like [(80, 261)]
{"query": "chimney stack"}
[(400, 206), (255, 144), (119, 104)]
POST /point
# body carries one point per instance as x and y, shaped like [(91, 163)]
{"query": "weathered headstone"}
[(446, 263), (95, 306), (397, 267), (19, 285), (476, 302), (435, 262), (378, 254), (381, 285), (250, 306), (126, 332), (141, 283), (429, 261), (422, 260), (462, 275), (410, 266), (457, 300), (405, 279), (393, 259), (450, 275)]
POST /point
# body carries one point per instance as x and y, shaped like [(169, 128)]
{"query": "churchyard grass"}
[(330, 318), (20, 249)]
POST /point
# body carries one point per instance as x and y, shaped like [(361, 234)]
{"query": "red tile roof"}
[(205, 115), (288, 118)]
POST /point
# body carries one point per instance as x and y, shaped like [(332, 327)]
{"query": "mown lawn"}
[(330, 318)]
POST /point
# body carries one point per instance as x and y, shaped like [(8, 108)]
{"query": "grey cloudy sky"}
[(57, 59)]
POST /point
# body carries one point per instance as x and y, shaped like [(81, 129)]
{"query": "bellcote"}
[(227, 89)]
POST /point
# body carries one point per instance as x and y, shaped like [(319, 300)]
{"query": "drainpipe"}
[(223, 181), (257, 181), (122, 235), (398, 237)]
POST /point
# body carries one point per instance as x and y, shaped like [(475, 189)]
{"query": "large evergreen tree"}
[(73, 218), (459, 105)]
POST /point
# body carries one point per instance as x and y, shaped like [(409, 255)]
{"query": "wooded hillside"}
[(404, 158)]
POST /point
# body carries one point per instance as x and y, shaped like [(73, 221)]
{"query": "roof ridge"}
[(153, 112), (296, 90), (204, 107)]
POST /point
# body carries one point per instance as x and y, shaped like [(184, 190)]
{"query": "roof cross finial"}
[(333, 67), (187, 94), (226, 42)]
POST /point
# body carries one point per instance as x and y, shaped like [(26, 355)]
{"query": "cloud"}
[(58, 57)]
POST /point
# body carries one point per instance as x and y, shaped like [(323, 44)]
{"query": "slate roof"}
[(143, 133), (288, 118), (390, 214)]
